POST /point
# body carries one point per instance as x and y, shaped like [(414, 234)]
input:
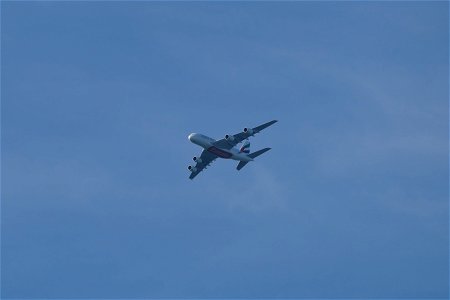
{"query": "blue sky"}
[(98, 99)]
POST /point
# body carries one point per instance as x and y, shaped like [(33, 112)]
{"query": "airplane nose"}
[(190, 136)]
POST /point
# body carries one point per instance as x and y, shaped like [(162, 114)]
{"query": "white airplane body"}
[(225, 148)]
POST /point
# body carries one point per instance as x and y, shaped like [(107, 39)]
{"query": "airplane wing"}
[(207, 158), (239, 137)]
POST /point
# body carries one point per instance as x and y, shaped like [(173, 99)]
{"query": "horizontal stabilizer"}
[(259, 152), (241, 164), (252, 155)]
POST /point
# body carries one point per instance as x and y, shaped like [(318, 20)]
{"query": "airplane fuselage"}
[(208, 144)]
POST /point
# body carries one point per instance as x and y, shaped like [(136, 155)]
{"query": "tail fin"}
[(242, 164), (246, 147)]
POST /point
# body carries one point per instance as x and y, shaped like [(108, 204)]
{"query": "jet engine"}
[(197, 159), (192, 169), (249, 131), (229, 138)]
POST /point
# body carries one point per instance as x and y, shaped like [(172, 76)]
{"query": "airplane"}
[(225, 148)]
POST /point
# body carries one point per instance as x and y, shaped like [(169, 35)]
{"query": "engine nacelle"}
[(229, 138), (192, 169), (249, 131), (197, 159)]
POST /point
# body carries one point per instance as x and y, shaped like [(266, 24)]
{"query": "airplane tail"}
[(255, 154), (245, 147)]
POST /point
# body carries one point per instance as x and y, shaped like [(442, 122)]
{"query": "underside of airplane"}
[(225, 148)]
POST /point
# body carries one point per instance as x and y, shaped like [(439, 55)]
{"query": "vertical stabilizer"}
[(245, 147)]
